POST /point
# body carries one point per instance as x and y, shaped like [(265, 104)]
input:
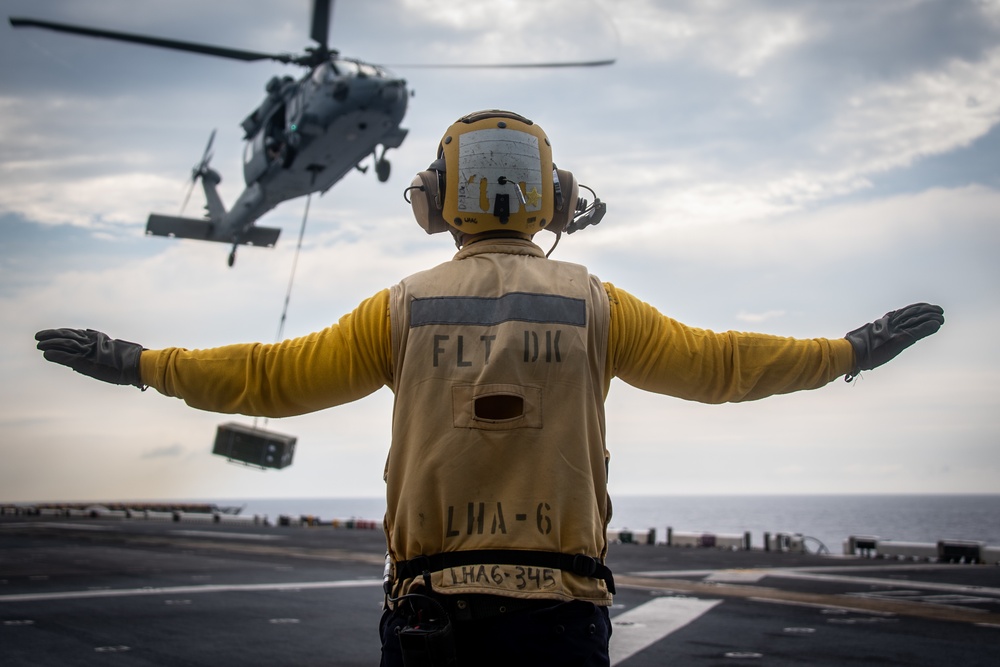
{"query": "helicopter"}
[(305, 136)]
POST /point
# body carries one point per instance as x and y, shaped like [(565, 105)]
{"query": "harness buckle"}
[(584, 565), (420, 564)]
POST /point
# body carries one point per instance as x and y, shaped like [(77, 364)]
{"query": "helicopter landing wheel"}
[(382, 167)]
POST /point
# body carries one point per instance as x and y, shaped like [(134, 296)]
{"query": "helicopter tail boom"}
[(203, 230)]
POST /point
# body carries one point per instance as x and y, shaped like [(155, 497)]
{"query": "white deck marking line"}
[(814, 569), (57, 524), (824, 574), (227, 536), (188, 590), (824, 605), (649, 623), (894, 583), (737, 576)]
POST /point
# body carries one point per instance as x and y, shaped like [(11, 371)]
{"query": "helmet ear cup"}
[(427, 201), (565, 208)]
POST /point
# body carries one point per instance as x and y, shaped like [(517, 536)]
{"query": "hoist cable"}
[(291, 278), (291, 282)]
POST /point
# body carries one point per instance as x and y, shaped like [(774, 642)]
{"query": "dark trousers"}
[(568, 634)]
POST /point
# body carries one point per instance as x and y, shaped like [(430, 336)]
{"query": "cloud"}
[(817, 121), (889, 125), (76, 203), (510, 31), (731, 37)]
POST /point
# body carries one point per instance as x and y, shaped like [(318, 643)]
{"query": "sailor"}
[(500, 361)]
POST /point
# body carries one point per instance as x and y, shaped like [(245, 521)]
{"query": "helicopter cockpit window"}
[(323, 73), (346, 67)]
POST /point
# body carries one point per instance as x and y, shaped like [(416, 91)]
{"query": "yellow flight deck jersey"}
[(500, 361)]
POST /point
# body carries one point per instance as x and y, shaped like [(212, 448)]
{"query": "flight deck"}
[(85, 591)]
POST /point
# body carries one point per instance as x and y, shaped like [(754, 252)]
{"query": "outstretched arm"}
[(341, 363), (656, 353)]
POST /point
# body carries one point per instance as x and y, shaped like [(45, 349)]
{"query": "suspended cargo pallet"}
[(254, 446)]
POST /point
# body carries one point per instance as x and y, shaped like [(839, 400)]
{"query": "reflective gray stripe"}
[(489, 311)]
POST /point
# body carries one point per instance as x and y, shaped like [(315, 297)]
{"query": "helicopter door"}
[(275, 144), (255, 157), (267, 146)]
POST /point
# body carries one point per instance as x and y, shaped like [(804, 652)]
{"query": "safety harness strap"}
[(580, 564)]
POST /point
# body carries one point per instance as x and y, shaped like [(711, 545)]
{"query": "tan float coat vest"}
[(498, 433)]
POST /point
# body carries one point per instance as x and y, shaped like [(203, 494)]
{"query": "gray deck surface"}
[(79, 591)]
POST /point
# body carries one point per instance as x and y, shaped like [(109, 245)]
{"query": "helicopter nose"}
[(394, 90)]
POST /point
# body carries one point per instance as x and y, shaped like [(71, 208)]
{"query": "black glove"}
[(878, 342), (92, 353)]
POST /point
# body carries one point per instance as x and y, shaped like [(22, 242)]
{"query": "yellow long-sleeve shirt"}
[(352, 358)]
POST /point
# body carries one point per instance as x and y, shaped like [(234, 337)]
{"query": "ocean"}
[(828, 519)]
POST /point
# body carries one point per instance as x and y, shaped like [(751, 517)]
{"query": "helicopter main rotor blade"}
[(582, 63), (204, 49), (320, 31)]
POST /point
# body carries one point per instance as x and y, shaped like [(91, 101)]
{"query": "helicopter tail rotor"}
[(187, 197), (199, 170)]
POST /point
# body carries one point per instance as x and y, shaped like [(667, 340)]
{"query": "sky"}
[(793, 168)]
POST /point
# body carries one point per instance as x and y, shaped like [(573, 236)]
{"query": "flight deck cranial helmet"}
[(493, 172)]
